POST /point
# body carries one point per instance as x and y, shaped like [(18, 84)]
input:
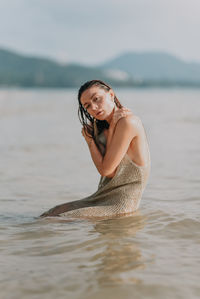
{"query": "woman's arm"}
[(94, 151), (122, 112), (124, 131)]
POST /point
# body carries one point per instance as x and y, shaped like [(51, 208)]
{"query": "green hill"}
[(130, 69), (155, 66), (19, 70)]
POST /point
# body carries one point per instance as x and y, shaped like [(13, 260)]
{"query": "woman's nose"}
[(94, 106)]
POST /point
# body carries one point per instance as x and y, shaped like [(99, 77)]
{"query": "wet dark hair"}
[(84, 116)]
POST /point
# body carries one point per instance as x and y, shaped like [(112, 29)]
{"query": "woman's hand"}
[(121, 112), (88, 139)]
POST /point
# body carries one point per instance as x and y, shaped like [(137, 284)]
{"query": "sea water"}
[(44, 161)]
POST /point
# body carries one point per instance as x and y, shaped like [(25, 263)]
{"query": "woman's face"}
[(98, 102)]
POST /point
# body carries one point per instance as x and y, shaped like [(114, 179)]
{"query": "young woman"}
[(119, 149)]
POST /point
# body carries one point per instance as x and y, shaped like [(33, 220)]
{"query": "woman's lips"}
[(99, 113)]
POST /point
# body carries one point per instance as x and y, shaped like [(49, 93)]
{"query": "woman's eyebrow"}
[(90, 98), (93, 95)]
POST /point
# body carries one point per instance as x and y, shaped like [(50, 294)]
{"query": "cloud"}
[(92, 31)]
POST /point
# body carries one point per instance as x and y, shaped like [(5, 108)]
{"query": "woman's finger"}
[(125, 109), (122, 113)]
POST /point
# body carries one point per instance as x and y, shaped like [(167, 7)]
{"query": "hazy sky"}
[(91, 31)]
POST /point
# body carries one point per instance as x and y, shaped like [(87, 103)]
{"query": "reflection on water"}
[(121, 252)]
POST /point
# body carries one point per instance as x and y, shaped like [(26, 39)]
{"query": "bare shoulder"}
[(130, 121)]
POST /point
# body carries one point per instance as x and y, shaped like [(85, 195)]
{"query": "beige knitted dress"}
[(114, 197)]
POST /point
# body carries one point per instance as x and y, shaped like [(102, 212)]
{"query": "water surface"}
[(45, 161)]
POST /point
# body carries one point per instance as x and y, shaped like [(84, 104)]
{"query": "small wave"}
[(189, 225)]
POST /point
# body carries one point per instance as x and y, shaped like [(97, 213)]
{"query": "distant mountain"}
[(19, 70), (154, 66), (130, 69)]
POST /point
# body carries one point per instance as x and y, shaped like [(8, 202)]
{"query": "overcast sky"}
[(92, 31)]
